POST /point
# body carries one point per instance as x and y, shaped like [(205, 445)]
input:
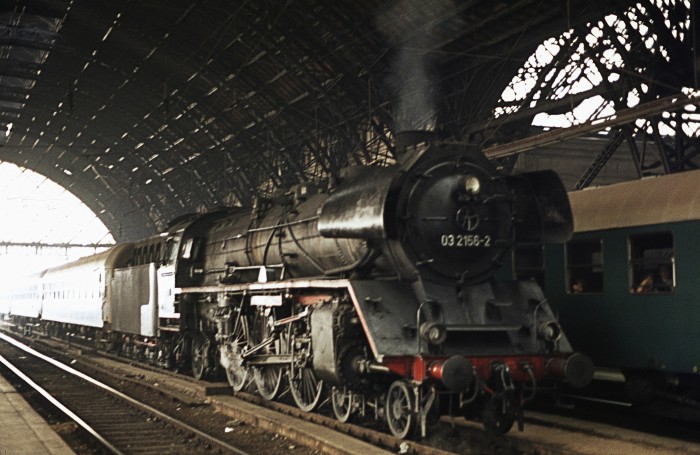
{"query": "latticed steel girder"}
[(659, 144), (632, 73)]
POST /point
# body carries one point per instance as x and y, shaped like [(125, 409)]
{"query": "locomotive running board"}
[(388, 311), (385, 308), (265, 287)]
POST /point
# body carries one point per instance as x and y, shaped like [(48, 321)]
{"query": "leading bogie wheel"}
[(343, 403), (400, 415)]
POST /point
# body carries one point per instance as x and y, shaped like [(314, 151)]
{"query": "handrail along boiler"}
[(383, 290)]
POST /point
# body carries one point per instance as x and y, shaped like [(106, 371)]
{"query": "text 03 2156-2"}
[(468, 241)]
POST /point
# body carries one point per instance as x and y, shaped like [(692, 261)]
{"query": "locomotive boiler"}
[(382, 291)]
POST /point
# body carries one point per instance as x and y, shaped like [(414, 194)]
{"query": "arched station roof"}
[(146, 110)]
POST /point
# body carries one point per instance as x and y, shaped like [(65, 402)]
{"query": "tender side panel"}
[(134, 300)]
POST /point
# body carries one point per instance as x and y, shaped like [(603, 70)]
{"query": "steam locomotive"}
[(381, 292)]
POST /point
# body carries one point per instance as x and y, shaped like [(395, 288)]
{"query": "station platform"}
[(22, 430)]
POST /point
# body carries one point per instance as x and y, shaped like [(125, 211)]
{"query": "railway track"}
[(118, 423), (544, 433)]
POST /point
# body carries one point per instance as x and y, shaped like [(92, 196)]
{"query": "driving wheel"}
[(400, 415), (306, 388), (236, 372), (200, 355)]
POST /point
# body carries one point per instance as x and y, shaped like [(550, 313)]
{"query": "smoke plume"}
[(414, 28)]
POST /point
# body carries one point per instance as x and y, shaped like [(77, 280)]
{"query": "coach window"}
[(528, 263), (584, 266), (651, 263)]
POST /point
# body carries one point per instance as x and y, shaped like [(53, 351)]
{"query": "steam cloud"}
[(415, 28)]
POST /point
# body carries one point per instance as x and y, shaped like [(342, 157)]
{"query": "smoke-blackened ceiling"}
[(150, 109)]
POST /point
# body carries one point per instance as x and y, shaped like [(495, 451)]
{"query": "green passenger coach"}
[(627, 285)]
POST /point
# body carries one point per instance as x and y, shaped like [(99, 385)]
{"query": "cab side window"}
[(584, 266), (190, 248), (187, 249), (651, 263)]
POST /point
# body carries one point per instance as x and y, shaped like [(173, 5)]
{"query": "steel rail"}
[(109, 389), (60, 406)]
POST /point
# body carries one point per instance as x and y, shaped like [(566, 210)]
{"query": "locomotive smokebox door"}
[(453, 217)]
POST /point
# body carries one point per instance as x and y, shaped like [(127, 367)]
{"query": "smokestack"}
[(409, 140), (412, 144)]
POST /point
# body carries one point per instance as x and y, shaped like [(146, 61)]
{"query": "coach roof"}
[(654, 200)]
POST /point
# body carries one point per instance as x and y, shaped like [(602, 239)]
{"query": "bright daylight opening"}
[(43, 224), (581, 74)]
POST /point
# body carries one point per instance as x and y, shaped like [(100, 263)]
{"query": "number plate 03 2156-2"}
[(465, 240)]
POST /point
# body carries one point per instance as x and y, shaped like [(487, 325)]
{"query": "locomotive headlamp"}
[(550, 331), (472, 185), (433, 332)]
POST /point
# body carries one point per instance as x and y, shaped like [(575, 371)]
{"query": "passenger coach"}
[(627, 285)]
